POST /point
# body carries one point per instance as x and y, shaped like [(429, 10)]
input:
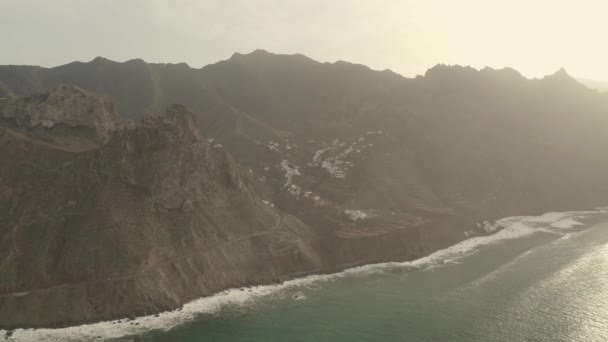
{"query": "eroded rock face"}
[(142, 223), (65, 105)]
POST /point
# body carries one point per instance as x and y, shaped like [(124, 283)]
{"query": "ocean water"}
[(542, 278)]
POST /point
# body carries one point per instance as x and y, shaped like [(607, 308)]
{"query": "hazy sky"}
[(536, 37)]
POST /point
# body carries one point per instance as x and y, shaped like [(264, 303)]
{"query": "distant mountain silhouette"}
[(601, 86)]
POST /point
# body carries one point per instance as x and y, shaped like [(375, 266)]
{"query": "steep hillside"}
[(362, 166), (126, 220)]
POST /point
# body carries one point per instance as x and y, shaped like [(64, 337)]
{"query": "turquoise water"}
[(541, 278), (550, 286)]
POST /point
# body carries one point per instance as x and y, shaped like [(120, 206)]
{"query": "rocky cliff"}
[(274, 166), (140, 223)]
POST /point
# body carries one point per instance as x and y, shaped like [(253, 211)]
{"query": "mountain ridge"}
[(266, 53), (355, 166)]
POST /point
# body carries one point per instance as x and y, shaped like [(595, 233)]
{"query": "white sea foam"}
[(355, 215), (565, 223), (512, 228)]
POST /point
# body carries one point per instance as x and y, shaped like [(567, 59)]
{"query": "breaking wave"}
[(510, 228)]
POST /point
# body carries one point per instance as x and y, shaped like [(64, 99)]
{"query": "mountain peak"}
[(261, 52), (561, 74), (263, 55), (136, 61), (99, 59), (562, 78), (449, 69), (254, 53)]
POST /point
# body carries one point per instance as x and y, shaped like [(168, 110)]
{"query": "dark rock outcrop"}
[(141, 223), (64, 106)]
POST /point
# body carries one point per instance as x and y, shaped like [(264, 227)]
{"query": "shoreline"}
[(506, 229)]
